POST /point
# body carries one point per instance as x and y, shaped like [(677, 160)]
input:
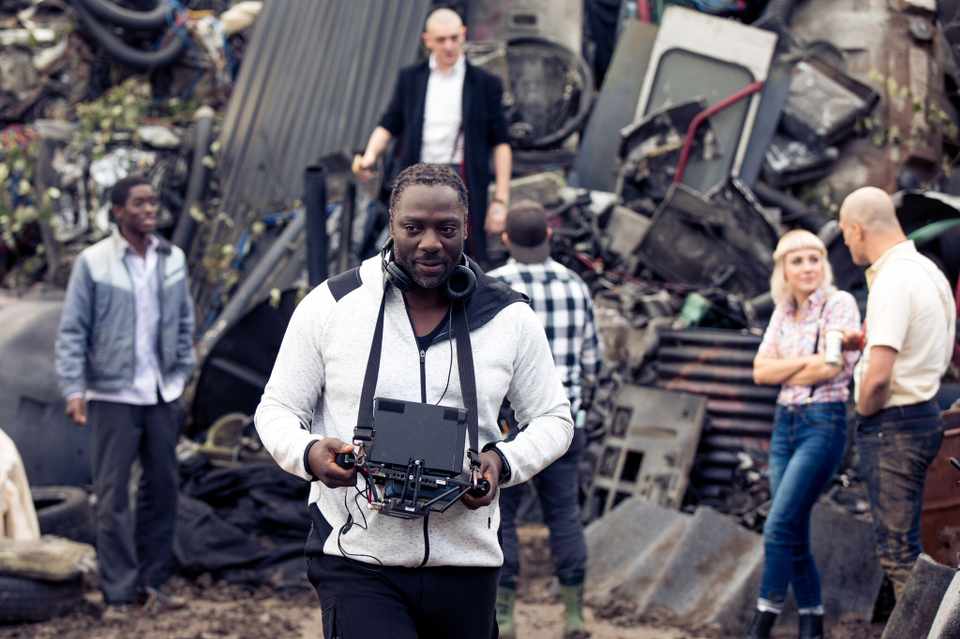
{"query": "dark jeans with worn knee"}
[(805, 451), (556, 488), (896, 447), (134, 552)]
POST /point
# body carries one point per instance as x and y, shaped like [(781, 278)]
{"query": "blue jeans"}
[(557, 489), (805, 451), (896, 447)]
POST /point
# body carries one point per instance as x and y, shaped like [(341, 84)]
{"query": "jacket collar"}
[(490, 297), (120, 244)]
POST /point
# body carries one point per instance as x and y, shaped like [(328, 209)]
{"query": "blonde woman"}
[(809, 431)]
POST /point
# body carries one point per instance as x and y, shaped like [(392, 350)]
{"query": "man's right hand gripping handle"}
[(323, 460)]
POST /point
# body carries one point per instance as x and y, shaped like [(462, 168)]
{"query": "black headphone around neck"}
[(460, 285)]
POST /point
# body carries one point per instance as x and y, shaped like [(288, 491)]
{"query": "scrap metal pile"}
[(708, 140), (91, 91)]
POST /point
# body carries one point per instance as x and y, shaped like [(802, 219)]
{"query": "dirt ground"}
[(220, 611)]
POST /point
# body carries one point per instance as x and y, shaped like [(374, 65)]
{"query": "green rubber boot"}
[(574, 626), (506, 599)]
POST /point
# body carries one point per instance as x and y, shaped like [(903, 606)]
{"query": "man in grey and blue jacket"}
[(123, 355)]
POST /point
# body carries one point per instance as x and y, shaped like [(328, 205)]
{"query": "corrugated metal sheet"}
[(315, 78), (719, 365)]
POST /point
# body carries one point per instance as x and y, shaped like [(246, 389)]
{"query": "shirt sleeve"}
[(186, 354), (590, 359), (888, 311), (770, 344), (294, 389), (538, 400), (842, 314), (497, 129), (70, 350), (392, 118)]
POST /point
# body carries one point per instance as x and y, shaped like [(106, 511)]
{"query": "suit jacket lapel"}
[(469, 90)]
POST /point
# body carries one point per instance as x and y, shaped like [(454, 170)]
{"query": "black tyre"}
[(24, 599), (64, 511)]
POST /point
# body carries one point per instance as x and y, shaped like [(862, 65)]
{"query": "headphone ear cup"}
[(397, 276), (461, 283)]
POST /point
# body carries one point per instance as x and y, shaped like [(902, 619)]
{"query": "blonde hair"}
[(797, 240)]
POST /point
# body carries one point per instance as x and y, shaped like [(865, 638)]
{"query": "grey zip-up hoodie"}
[(314, 392)]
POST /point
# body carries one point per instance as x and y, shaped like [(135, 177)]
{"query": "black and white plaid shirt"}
[(562, 302)]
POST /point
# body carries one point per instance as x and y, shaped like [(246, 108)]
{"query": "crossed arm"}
[(800, 371)]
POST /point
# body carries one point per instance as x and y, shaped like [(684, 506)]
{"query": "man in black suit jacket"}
[(447, 111)]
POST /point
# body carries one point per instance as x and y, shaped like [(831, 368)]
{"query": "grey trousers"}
[(134, 551)]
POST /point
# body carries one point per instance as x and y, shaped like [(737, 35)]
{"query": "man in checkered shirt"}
[(562, 302)]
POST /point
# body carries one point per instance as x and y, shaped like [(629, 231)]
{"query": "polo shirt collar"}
[(515, 262), (900, 248)]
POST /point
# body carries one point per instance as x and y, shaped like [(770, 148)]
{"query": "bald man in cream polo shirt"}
[(910, 333)]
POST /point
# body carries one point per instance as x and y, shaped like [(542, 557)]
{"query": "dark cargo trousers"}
[(556, 487), (362, 601), (134, 551)]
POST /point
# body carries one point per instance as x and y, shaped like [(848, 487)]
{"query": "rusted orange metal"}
[(940, 523)]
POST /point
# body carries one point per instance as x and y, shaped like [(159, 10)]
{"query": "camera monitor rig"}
[(411, 453)]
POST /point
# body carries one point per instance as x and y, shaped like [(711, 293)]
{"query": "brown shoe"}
[(160, 601)]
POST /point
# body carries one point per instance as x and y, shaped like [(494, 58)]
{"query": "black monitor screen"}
[(406, 431)]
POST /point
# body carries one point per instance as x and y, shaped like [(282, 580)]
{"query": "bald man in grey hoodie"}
[(408, 578)]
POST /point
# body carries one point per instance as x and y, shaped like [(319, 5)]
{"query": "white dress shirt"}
[(443, 114), (147, 379)]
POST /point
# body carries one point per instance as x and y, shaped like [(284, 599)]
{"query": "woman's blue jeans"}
[(806, 449)]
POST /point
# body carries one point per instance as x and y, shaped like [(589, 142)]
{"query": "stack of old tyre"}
[(64, 511), (101, 18)]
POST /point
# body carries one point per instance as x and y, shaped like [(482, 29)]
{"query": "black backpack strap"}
[(816, 344), (364, 429), (344, 283), (468, 380)]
